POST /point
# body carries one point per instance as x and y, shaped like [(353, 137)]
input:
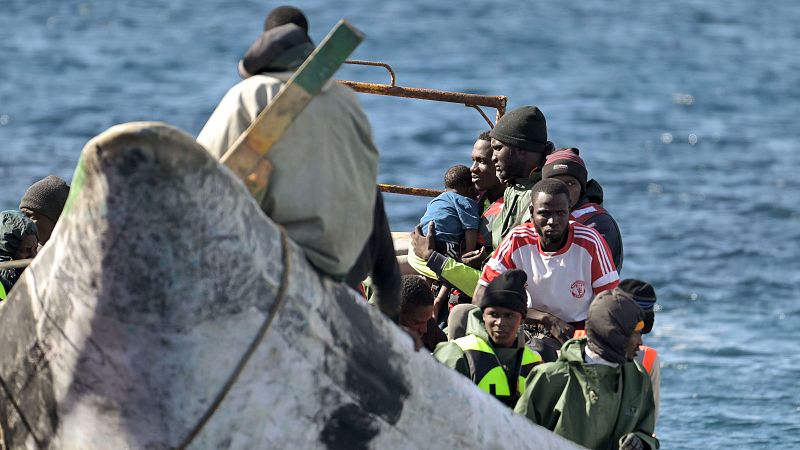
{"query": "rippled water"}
[(686, 112)]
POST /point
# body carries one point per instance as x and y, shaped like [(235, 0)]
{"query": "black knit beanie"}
[(645, 296), (279, 49), (283, 15), (524, 127), (508, 291), (566, 161), (47, 197), (613, 317)]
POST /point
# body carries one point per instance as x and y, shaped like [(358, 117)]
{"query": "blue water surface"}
[(685, 111)]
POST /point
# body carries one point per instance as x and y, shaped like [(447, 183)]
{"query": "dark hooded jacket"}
[(591, 404), (14, 225), (600, 220), (595, 405)]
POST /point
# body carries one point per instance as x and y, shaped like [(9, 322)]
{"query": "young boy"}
[(456, 218)]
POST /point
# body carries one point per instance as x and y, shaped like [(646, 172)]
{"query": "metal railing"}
[(393, 90)]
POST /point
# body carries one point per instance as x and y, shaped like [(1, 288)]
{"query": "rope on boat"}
[(20, 414), (281, 298)]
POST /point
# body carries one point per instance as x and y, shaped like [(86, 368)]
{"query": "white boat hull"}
[(158, 276)]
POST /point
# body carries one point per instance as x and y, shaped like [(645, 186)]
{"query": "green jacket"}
[(516, 206), (518, 360), (579, 402)]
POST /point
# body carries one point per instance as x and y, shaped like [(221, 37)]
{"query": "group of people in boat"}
[(537, 316), (511, 278)]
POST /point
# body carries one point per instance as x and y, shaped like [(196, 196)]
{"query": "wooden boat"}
[(168, 311)]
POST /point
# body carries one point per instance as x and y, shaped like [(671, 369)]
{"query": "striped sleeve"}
[(604, 272), (503, 258)]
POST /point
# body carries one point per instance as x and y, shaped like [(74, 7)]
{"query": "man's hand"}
[(557, 328), (474, 258), (423, 245), (414, 337), (631, 442)]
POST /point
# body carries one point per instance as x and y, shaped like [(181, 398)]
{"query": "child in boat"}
[(456, 218)]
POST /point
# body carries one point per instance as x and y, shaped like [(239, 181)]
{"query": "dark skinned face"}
[(28, 247), (415, 318), (550, 217), (632, 347), (502, 325), (574, 187), (44, 226), (506, 161), (484, 176)]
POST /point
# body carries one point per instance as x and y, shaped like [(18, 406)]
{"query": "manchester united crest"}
[(578, 289)]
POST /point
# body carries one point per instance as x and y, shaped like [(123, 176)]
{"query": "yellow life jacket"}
[(2, 292), (487, 372)]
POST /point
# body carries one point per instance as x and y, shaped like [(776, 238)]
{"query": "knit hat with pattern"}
[(566, 161)]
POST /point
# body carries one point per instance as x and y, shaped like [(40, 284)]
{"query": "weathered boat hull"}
[(159, 275)]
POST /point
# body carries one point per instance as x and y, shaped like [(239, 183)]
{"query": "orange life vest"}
[(649, 352)]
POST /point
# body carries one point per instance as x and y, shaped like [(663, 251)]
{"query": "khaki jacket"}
[(322, 187)]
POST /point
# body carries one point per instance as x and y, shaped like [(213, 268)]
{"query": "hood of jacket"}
[(279, 49), (14, 225), (572, 351)]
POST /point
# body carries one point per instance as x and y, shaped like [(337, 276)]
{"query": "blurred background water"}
[(685, 111)]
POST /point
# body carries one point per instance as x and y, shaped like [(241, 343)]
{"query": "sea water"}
[(685, 111)]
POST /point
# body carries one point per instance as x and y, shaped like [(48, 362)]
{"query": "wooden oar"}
[(16, 264), (246, 155)]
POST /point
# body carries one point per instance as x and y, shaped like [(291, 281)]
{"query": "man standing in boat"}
[(520, 145), (322, 187), (492, 353), (567, 264)]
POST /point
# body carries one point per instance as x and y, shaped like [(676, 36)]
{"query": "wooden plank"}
[(246, 156)]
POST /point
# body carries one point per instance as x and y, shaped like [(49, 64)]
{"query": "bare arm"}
[(478, 295), (470, 240), (441, 299)]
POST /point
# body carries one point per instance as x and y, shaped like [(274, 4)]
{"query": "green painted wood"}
[(328, 57), (245, 155)]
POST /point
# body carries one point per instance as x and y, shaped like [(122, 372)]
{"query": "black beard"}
[(546, 242)]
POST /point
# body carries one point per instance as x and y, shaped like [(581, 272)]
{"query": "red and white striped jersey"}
[(562, 283)]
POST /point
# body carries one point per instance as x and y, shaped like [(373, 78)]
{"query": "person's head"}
[(645, 296), (614, 326), (504, 305), (416, 304), (519, 143), (18, 240), (484, 176), (458, 178), (283, 15), (43, 203), (550, 213), (566, 165)]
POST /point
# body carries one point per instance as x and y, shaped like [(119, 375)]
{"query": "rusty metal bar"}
[(493, 101), (406, 190), (375, 63), (469, 100), (485, 117)]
